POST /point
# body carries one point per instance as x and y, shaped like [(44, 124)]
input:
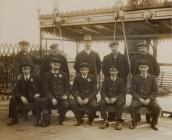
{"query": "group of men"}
[(52, 87)]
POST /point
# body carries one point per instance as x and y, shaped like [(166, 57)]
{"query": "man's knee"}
[(102, 103), (65, 104), (119, 103), (93, 104), (134, 104)]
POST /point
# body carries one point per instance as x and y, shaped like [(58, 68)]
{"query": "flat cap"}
[(142, 43), (54, 46), (113, 43), (23, 43), (55, 60), (113, 66), (142, 62), (84, 65), (87, 38)]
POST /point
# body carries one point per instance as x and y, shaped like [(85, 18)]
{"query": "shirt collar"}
[(87, 51), (113, 78), (84, 77), (144, 76), (55, 72), (27, 77)]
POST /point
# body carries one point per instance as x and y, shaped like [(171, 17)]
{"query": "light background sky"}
[(19, 21)]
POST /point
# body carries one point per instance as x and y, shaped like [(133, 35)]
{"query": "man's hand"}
[(147, 101), (24, 100), (107, 100), (112, 100), (80, 101), (85, 101), (54, 101), (36, 95), (64, 97), (142, 100)]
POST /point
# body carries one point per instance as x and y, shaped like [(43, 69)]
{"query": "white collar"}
[(87, 51), (55, 72), (27, 77), (84, 77), (144, 76), (113, 78)]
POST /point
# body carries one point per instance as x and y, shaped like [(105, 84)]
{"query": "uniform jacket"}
[(56, 85), (122, 64), (85, 88), (144, 87), (93, 59), (112, 88), (27, 88)]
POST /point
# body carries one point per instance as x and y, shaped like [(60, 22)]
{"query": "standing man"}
[(154, 69), (88, 56), (84, 91), (56, 89), (112, 93), (23, 57), (27, 90), (54, 52), (143, 54), (118, 59), (144, 91)]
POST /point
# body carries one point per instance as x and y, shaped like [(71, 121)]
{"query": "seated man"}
[(56, 89), (27, 90), (144, 90), (112, 94), (84, 91)]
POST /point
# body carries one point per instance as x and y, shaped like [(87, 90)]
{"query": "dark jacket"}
[(56, 86), (85, 88), (93, 59), (27, 88), (144, 88), (153, 65), (45, 66), (112, 88), (121, 62)]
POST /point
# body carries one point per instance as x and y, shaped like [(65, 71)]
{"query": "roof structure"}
[(148, 21)]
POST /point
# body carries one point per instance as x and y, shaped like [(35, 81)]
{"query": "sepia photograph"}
[(85, 69)]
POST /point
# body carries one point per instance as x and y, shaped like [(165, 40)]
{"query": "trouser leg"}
[(119, 109), (74, 107), (103, 111), (134, 107), (13, 108), (155, 110), (63, 108), (44, 106), (92, 109)]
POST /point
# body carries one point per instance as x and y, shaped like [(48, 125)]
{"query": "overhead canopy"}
[(153, 21)]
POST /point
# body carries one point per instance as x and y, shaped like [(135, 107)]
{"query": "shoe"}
[(118, 126), (133, 126), (79, 122), (148, 118), (104, 125), (36, 123), (154, 127), (12, 122), (60, 123), (45, 123), (91, 123), (139, 117), (25, 117)]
